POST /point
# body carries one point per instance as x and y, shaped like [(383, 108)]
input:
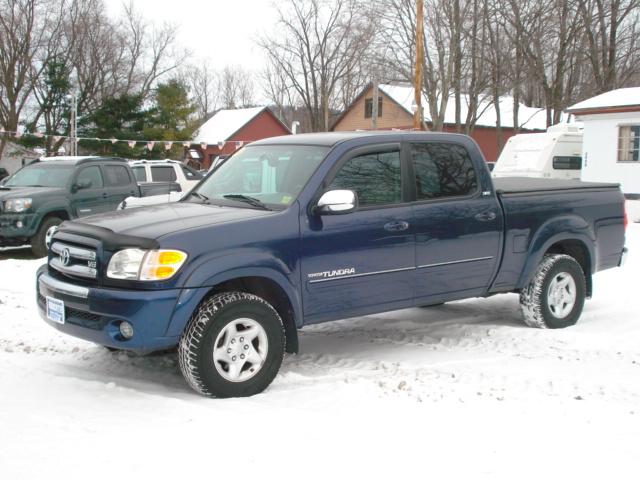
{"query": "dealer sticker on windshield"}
[(55, 310)]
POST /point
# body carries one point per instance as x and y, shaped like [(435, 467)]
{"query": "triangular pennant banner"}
[(203, 145), (168, 145), (132, 143), (150, 145), (186, 144), (114, 141), (239, 144), (221, 145)]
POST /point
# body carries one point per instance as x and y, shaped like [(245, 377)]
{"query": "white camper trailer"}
[(556, 153)]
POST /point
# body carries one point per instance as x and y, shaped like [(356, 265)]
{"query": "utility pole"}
[(417, 76), (374, 105), (73, 134)]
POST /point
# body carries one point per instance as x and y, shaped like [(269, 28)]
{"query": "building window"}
[(368, 107), (629, 143)]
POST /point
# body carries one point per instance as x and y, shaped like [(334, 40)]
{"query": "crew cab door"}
[(457, 221), (88, 195), (119, 184), (353, 263)]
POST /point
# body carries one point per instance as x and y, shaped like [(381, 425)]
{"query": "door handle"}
[(486, 216), (396, 226)]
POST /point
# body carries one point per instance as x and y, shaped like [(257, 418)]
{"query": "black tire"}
[(38, 244), (534, 297), (197, 344)]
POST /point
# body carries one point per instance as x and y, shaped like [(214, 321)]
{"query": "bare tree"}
[(24, 34), (204, 83), (318, 45), (613, 47), (278, 90), (236, 87)]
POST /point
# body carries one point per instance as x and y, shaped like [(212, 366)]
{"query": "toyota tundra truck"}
[(297, 230)]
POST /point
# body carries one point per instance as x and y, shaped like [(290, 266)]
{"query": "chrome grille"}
[(72, 260)]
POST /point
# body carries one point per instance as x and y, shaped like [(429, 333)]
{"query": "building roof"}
[(529, 118), (620, 99), (225, 123)]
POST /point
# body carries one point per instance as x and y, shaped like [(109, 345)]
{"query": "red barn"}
[(395, 112), (228, 130)]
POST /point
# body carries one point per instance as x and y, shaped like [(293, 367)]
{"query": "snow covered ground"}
[(462, 390)]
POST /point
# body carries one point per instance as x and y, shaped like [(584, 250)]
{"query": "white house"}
[(611, 141)]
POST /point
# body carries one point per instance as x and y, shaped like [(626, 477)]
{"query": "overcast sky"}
[(223, 31)]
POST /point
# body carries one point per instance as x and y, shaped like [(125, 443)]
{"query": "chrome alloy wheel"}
[(240, 350), (561, 295), (49, 235)]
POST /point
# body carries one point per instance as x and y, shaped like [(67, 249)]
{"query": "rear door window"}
[(93, 175), (140, 173), (442, 170), (117, 175), (163, 174)]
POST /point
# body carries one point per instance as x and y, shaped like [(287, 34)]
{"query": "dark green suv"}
[(38, 197)]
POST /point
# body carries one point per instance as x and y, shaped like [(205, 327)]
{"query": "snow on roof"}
[(528, 117), (224, 124), (622, 97)]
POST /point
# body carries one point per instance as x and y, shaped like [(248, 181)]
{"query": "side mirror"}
[(336, 202), (82, 184)]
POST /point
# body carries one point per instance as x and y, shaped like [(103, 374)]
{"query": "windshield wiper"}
[(254, 202), (200, 195)]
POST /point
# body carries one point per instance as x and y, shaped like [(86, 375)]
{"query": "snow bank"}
[(459, 390)]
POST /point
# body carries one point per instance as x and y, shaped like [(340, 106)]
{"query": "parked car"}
[(556, 153), (166, 171), (165, 198), (298, 230), (44, 193)]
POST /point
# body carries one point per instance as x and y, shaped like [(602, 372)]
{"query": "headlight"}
[(136, 264), (17, 205)]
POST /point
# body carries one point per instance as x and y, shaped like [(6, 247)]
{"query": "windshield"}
[(41, 175), (267, 176)]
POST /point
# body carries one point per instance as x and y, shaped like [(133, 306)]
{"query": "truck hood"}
[(157, 220), (7, 193)]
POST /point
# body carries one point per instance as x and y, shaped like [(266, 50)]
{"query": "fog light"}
[(126, 330), (19, 224)]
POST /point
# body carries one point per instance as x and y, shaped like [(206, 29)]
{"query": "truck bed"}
[(506, 185)]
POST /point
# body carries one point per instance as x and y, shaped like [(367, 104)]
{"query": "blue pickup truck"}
[(297, 230)]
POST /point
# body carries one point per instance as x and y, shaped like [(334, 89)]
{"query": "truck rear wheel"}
[(555, 295), (39, 240), (233, 346)]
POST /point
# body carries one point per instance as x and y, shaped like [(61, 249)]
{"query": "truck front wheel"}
[(555, 295), (233, 346), (39, 240)]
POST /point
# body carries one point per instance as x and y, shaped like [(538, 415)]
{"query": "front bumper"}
[(95, 314), (17, 228)]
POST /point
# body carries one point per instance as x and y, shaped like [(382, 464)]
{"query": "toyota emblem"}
[(64, 257)]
